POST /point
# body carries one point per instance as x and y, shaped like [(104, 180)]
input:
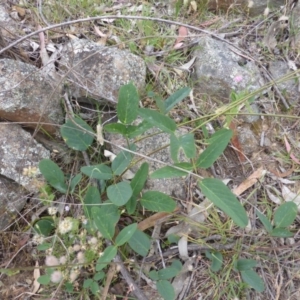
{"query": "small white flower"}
[(73, 275), (63, 260), (93, 241), (67, 208), (65, 225), (80, 257), (51, 261), (38, 239), (56, 277), (250, 4), (76, 247), (49, 251), (52, 210)]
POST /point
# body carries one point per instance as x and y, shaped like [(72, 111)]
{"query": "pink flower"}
[(238, 78)]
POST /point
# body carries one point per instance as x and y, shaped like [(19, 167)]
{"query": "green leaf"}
[(121, 162), (44, 246), (128, 103), (140, 242), (217, 192), (92, 199), (138, 181), (44, 279), (77, 134), (281, 232), (185, 142), (116, 128), (265, 221), (131, 205), (176, 98), (218, 143), (221, 134), (253, 280), (245, 264), (53, 174), (171, 172), (94, 288), (153, 275), (97, 171), (44, 226), (99, 276), (158, 120), (106, 217), (125, 234), (159, 102), (87, 283), (134, 131), (165, 289), (69, 287), (167, 273), (108, 255), (173, 238), (285, 214), (216, 260), (119, 193), (74, 182), (157, 201), (177, 265)]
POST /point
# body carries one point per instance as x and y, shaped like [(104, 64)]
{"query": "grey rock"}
[(248, 140), (218, 70), (12, 200), (20, 156), (27, 97), (288, 88), (98, 72)]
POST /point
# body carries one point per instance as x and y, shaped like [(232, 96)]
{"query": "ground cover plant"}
[(86, 249)]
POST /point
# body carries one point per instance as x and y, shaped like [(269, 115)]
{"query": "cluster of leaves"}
[(103, 215)]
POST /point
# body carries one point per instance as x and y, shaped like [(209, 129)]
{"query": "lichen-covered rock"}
[(219, 71), (289, 88), (20, 155), (12, 200), (98, 72), (27, 97)]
